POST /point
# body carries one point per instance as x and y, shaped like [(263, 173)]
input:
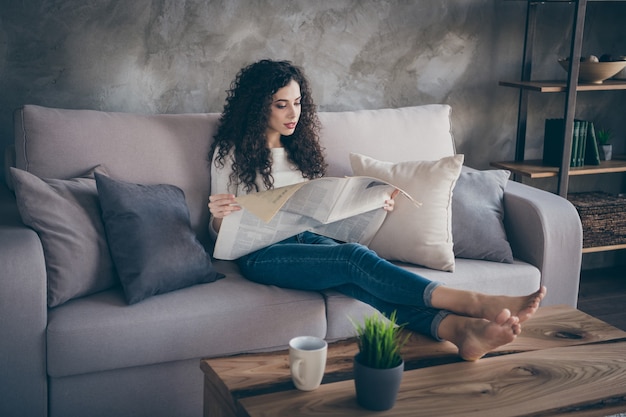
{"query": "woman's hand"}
[(390, 204), (220, 206)]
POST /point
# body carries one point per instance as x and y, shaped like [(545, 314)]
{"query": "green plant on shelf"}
[(604, 137)]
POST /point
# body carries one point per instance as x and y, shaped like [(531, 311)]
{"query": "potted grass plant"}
[(378, 366), (604, 137)]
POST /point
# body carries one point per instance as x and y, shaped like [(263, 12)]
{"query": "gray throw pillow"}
[(66, 216), (478, 216), (150, 238)]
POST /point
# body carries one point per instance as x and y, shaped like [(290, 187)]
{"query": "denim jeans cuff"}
[(434, 325), (428, 293)]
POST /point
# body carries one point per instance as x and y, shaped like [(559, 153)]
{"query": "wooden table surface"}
[(565, 362)]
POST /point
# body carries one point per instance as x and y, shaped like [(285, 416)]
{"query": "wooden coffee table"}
[(564, 363)]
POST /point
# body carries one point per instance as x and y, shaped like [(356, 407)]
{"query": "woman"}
[(268, 137)]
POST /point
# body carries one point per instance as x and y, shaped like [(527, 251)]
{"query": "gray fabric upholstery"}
[(478, 216), (151, 242), (171, 389), (101, 332), (494, 277), (9, 162), (104, 357), (545, 231), (342, 309), (23, 315), (144, 149), (66, 216), (417, 133)]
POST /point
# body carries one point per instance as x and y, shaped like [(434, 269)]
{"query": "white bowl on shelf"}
[(622, 74), (595, 72)]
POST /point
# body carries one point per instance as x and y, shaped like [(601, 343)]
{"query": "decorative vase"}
[(608, 152), (376, 389)]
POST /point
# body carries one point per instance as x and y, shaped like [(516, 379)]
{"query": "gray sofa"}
[(98, 356)]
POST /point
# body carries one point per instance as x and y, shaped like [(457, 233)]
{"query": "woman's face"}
[(284, 113)]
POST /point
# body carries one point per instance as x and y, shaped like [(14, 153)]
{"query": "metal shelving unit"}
[(570, 87)]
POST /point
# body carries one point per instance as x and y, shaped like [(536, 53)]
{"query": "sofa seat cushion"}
[(229, 316), (517, 278)]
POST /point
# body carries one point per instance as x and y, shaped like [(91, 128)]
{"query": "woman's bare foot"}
[(478, 305), (522, 307), (475, 337)]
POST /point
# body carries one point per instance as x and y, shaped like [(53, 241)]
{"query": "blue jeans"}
[(312, 262)]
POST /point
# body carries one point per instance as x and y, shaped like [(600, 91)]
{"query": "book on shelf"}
[(592, 156), (553, 142), (584, 150), (582, 142), (575, 144)]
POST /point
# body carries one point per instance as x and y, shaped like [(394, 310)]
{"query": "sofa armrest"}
[(9, 161), (23, 315), (544, 230)]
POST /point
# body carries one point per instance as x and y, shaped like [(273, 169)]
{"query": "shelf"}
[(604, 248), (561, 87), (603, 217), (536, 169)]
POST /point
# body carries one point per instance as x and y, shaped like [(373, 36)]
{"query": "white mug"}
[(307, 361)]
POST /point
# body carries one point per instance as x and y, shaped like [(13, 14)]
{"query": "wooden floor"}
[(603, 295)]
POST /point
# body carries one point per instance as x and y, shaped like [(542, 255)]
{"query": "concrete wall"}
[(180, 56), (155, 56), (177, 56)]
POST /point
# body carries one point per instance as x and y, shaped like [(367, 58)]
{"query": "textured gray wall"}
[(178, 56)]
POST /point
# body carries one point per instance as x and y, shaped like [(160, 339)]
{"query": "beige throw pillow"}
[(421, 235)]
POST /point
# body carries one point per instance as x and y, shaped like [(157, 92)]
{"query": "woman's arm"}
[(222, 199)]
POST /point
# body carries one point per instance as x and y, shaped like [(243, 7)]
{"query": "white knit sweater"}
[(283, 170)]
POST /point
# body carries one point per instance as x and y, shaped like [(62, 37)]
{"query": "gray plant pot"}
[(376, 389)]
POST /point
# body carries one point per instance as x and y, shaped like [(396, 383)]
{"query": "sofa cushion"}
[(396, 135), (421, 235), (229, 316), (478, 216), (139, 148), (66, 215), (153, 247), (517, 278)]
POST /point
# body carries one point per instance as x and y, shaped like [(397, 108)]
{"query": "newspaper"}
[(346, 209)]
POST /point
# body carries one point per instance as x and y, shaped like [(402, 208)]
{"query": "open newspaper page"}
[(347, 209)]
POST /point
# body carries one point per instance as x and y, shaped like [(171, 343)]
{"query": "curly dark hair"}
[(244, 122)]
